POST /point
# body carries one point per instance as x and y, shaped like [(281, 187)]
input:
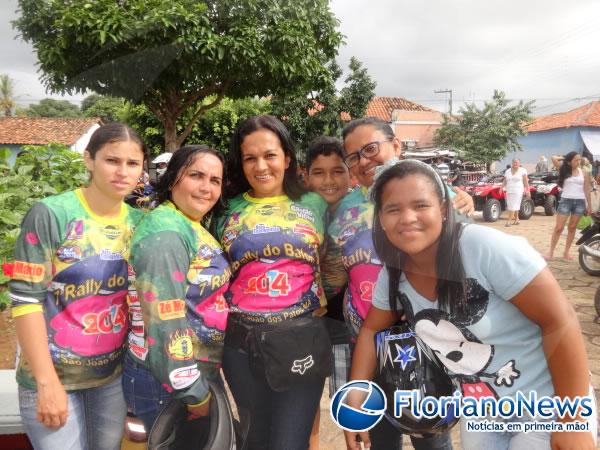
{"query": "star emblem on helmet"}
[(405, 355)]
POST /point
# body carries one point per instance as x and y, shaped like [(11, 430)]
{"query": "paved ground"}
[(578, 286)]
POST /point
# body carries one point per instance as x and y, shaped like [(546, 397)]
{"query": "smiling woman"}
[(483, 301), (272, 232), (69, 290), (181, 276)]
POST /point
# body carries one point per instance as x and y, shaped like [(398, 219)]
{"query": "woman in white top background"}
[(574, 201), (515, 184)]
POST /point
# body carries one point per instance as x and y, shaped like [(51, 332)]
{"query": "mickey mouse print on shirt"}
[(466, 357)]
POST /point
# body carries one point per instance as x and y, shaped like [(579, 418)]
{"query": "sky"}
[(542, 50)]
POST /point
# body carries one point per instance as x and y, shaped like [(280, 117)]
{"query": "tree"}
[(359, 90), (217, 125), (172, 55), (7, 95), (109, 109), (50, 107), (311, 114), (485, 135)]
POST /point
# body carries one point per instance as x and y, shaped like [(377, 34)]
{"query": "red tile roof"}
[(382, 107), (584, 116), (43, 130)]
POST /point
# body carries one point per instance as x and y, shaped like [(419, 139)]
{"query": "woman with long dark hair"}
[(69, 290), (178, 314), (575, 199), (483, 301), (277, 348)]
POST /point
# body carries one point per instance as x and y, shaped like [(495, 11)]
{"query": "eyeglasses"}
[(367, 151)]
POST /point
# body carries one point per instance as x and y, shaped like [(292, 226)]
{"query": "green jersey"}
[(72, 264)]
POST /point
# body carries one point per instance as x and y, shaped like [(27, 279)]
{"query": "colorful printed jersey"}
[(273, 245), (350, 234), (72, 265), (350, 238), (178, 320)]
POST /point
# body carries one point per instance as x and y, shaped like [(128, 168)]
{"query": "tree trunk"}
[(170, 134)]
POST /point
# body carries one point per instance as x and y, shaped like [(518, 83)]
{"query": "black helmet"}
[(406, 363), (172, 431)]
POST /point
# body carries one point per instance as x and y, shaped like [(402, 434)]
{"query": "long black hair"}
[(451, 292), (180, 161), (565, 170), (292, 186)]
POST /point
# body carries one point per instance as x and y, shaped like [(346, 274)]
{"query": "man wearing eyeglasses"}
[(368, 144)]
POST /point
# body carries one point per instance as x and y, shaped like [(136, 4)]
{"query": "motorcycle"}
[(589, 247)]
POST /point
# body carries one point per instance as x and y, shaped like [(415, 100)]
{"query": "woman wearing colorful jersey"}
[(483, 301), (179, 314), (272, 231), (68, 291)]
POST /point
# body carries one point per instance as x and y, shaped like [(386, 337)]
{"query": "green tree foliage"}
[(50, 107), (484, 135), (214, 128), (7, 95), (358, 91), (311, 114), (109, 109), (39, 171), (141, 119), (171, 55), (217, 125)]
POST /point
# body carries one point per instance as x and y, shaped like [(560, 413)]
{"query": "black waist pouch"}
[(290, 352)]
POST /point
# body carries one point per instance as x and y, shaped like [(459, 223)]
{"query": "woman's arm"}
[(37, 242), (587, 190), (526, 184), (161, 261), (364, 363), (556, 161), (52, 398), (544, 303)]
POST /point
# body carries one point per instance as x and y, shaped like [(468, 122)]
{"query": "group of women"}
[(96, 287)]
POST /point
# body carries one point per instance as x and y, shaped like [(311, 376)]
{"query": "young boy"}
[(329, 177)]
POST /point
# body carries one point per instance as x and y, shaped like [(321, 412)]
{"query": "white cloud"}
[(543, 49)]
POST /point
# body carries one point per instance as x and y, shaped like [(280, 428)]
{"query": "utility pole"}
[(446, 91)]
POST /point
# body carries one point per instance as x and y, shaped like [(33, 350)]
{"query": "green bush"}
[(39, 171)]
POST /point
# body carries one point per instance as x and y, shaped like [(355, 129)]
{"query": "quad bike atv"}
[(489, 198), (545, 191)]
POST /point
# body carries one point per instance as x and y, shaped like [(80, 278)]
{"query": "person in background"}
[(457, 179), (181, 275), (515, 184), (329, 177), (442, 168), (68, 290), (272, 230), (575, 199), (542, 165), (586, 166), (162, 161)]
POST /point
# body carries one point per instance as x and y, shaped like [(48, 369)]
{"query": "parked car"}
[(490, 199), (545, 191)]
